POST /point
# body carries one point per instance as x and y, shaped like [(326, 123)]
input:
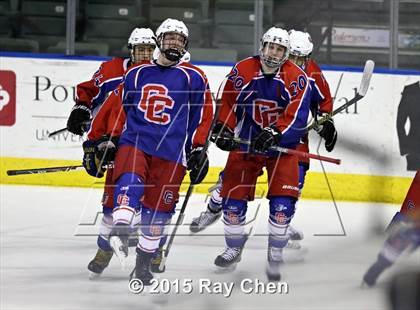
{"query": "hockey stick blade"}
[(43, 170), (361, 92), (367, 75)]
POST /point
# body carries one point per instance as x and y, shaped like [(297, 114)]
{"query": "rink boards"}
[(368, 144)]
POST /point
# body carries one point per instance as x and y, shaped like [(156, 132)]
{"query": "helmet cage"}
[(274, 35), (141, 52), (172, 53), (270, 61)]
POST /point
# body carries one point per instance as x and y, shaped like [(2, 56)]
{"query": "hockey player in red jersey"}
[(266, 100), (168, 111), (90, 95), (106, 126), (404, 234), (321, 102)]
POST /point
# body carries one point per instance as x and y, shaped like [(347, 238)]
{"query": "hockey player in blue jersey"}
[(265, 100), (321, 101), (168, 111)]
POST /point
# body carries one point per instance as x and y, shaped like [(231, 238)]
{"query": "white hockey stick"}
[(361, 92)]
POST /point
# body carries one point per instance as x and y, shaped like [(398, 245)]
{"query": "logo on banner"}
[(7, 98)]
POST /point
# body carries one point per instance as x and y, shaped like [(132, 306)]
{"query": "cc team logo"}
[(411, 205), (281, 218), (154, 102), (7, 98), (168, 197)]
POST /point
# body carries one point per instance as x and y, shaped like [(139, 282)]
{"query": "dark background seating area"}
[(220, 30)]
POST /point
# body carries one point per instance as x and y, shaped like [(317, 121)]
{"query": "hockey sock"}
[(234, 212), (215, 203), (104, 231), (281, 212), (152, 229), (129, 189), (302, 174)]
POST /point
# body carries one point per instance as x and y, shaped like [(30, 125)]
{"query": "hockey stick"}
[(295, 152), (57, 132), (43, 170), (187, 196), (51, 169), (361, 92)]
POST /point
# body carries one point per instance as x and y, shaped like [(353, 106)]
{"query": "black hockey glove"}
[(270, 136), (91, 163), (106, 148), (79, 116), (223, 137), (198, 165), (329, 134)]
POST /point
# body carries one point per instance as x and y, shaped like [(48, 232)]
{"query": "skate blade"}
[(194, 229), (197, 228), (223, 270), (94, 276)]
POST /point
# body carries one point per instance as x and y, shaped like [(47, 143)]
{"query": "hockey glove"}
[(79, 116), (106, 148), (223, 137), (91, 163), (198, 165), (329, 134), (268, 137)]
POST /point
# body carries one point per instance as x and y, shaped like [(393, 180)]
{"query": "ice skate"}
[(229, 258), (294, 234), (293, 245), (142, 270), (205, 219), (156, 260), (274, 260), (99, 263), (272, 271), (118, 241)]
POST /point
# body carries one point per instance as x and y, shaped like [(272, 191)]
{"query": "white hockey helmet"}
[(141, 36), (278, 36), (300, 43), (172, 26)]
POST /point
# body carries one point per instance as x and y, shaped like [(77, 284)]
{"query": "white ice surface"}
[(45, 251)]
